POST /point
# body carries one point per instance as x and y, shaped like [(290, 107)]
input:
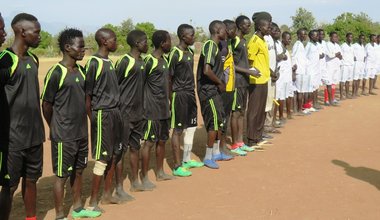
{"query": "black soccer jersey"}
[(130, 73), (101, 83), (65, 91), (181, 65), (22, 105), (156, 91), (240, 55), (210, 55)]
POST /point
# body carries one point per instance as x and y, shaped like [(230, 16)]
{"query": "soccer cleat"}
[(85, 213), (313, 109), (222, 157), (192, 164), (247, 148), (239, 151), (182, 172), (211, 164)]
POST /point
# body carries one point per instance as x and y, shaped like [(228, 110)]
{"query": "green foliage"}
[(46, 40), (200, 34), (303, 19), (149, 29)]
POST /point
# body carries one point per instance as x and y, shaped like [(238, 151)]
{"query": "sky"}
[(89, 15)]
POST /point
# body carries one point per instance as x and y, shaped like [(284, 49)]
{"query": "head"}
[(27, 29), (349, 38), (302, 34), (106, 38), (321, 35), (138, 39), (361, 39), (286, 38), (3, 34), (378, 39), (262, 22), (71, 43), (275, 31), (313, 36), (218, 28), (372, 38), (230, 28), (334, 37), (161, 39), (243, 24), (186, 34), (262, 15)]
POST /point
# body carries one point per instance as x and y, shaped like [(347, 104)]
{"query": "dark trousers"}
[(256, 112)]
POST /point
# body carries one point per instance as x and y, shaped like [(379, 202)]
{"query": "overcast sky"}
[(165, 14)]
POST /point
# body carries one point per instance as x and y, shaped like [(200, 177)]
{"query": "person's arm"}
[(210, 55), (253, 50), (47, 110), (173, 61), (50, 89), (91, 69)]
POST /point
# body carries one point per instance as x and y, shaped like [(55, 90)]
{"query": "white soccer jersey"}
[(272, 53), (312, 54), (299, 57), (332, 61), (348, 54), (371, 56), (359, 52)]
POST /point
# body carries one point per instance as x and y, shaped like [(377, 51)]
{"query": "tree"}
[(200, 34), (122, 46), (303, 19)]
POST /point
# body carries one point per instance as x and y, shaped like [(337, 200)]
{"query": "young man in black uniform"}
[(102, 104), (183, 104), (64, 109), (26, 133), (210, 85), (156, 107), (130, 70), (243, 24)]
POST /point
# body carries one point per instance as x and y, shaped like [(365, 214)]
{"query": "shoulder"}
[(6, 60)]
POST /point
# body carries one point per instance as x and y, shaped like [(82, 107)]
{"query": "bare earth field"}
[(323, 166)]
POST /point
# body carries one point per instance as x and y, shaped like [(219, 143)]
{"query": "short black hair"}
[(99, 34), (371, 35), (312, 31), (229, 23), (159, 37), (320, 30), (285, 33), (213, 27), (332, 33), (240, 19), (181, 29), (134, 36), (300, 30), (275, 25), (23, 17), (348, 34), (67, 36), (361, 35)]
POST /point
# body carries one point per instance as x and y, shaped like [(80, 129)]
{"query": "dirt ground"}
[(323, 166)]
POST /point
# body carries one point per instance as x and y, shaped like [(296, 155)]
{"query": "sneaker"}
[(312, 109), (182, 172), (192, 164), (239, 151), (305, 112), (211, 164), (247, 148), (85, 213), (222, 157)]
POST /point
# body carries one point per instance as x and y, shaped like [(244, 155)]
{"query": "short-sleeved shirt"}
[(312, 53), (272, 52), (332, 61), (156, 89), (20, 105), (259, 58), (101, 83), (371, 56), (240, 56), (228, 78), (181, 68), (359, 52), (299, 57), (65, 91), (348, 54), (210, 55), (131, 76)]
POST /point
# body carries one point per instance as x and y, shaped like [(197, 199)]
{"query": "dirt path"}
[(323, 166)]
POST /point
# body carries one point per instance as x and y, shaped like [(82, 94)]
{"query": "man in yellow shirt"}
[(258, 57)]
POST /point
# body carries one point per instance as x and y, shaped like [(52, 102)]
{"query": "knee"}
[(99, 168)]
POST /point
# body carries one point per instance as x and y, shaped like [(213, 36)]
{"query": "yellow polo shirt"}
[(258, 57)]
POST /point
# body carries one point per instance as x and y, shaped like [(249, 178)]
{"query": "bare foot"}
[(122, 195), (162, 176), (136, 186), (146, 183), (106, 200)]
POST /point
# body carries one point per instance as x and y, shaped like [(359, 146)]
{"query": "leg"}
[(97, 176), (107, 193), (29, 194), (76, 187), (119, 170), (329, 94), (289, 102), (347, 89), (134, 163), (363, 86), (341, 90), (6, 199), (59, 189), (281, 109), (160, 156), (235, 127), (176, 136), (145, 152)]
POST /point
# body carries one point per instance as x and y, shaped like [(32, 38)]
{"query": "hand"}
[(321, 56), (355, 59), (284, 57), (294, 67), (222, 87), (254, 72)]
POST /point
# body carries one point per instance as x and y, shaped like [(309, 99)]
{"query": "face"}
[(142, 44), (31, 33), (265, 28), (231, 32), (286, 40), (321, 35), (245, 26), (303, 36), (2, 31), (349, 38), (361, 40), (373, 39), (167, 44), (378, 39), (222, 32), (275, 33), (314, 36), (111, 42), (188, 36), (334, 38), (76, 49)]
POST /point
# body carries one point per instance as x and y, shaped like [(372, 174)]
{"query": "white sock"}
[(188, 143), (215, 148), (208, 155)]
